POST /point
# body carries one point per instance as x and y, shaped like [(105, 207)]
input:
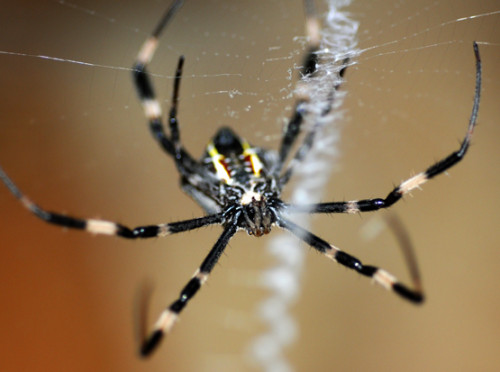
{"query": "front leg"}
[(97, 226), (168, 317), (152, 108), (367, 205)]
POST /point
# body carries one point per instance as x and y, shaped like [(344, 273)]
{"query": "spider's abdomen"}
[(232, 158)]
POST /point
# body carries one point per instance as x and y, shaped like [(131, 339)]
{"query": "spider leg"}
[(308, 141), (366, 205), (150, 104), (380, 276), (168, 317), (98, 226), (309, 68), (174, 125), (293, 127)]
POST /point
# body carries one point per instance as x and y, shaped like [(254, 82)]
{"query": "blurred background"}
[(73, 137)]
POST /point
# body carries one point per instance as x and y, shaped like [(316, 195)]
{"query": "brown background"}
[(74, 139)]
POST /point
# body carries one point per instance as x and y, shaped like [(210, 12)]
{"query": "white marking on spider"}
[(163, 230), (313, 30), (152, 108), (249, 196), (413, 182), (332, 252), (352, 207), (26, 202), (101, 227), (201, 276), (383, 278), (166, 321), (147, 51)]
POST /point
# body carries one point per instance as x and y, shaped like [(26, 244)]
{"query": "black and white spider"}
[(239, 186)]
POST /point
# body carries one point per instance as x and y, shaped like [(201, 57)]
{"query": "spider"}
[(239, 185)]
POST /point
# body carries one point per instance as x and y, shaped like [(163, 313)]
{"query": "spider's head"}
[(257, 216)]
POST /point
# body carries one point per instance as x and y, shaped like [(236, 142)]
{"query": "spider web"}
[(74, 138)]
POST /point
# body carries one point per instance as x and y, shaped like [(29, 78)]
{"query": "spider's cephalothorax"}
[(239, 186)]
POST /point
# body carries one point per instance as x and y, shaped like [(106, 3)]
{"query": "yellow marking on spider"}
[(254, 158), (217, 158)]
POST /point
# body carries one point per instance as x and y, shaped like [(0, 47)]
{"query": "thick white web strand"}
[(338, 41)]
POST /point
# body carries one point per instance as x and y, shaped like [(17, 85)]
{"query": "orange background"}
[(74, 139)]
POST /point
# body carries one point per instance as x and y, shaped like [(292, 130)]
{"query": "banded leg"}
[(168, 317), (150, 104), (380, 276), (97, 226), (367, 205), (309, 68), (309, 140), (293, 126)]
